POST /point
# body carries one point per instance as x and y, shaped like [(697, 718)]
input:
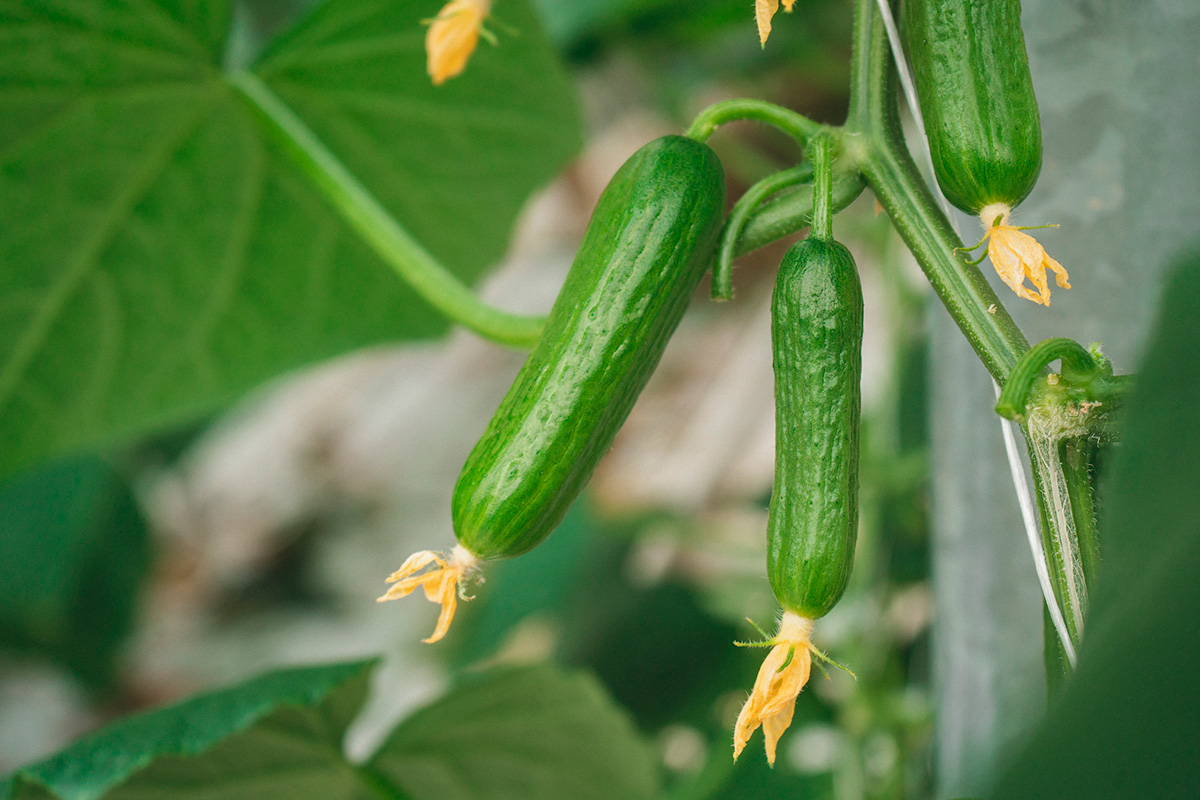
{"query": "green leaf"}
[(533, 734), (519, 734), (161, 256), (73, 551), (1126, 725), (22, 789), (465, 155), (277, 736)]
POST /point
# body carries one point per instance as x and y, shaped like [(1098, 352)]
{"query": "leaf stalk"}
[(376, 225)]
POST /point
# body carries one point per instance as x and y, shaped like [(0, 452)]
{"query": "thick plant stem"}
[(1058, 668), (1059, 532), (893, 177), (873, 132), (861, 63), (378, 228), (1079, 460), (962, 289)]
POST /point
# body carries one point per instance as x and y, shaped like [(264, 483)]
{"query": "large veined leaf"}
[(1126, 725), (532, 733), (159, 254), (521, 734), (282, 730)]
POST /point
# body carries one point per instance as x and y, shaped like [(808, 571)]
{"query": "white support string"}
[(1020, 479), (914, 108), (1033, 533)]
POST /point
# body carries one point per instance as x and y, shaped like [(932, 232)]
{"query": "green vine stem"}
[(1079, 456), (821, 152), (791, 212), (874, 134), (1059, 531), (735, 223), (1058, 667), (797, 126), (1065, 418), (391, 242), (1063, 423)]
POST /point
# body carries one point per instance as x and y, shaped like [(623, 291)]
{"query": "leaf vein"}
[(14, 367)]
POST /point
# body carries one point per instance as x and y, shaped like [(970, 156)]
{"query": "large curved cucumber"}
[(650, 240)]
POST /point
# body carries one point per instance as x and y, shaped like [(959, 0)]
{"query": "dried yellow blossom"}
[(764, 10), (443, 583), (783, 673), (452, 37), (1017, 256)]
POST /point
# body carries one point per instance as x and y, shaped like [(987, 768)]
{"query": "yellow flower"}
[(783, 673), (763, 11), (1018, 256), (452, 37), (443, 583)]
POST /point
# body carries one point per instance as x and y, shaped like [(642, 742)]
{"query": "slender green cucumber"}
[(650, 240), (816, 336), (981, 116)]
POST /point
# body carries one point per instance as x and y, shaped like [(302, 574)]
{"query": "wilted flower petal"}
[(443, 584), (764, 10), (1018, 257), (452, 37), (782, 676)]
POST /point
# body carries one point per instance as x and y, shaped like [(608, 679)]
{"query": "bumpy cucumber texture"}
[(650, 240), (816, 335), (972, 77)]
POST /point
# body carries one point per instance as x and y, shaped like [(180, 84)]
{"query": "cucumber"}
[(976, 94), (816, 336), (650, 240)]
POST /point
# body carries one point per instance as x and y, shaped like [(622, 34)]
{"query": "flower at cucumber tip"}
[(1017, 256), (782, 676), (443, 582)]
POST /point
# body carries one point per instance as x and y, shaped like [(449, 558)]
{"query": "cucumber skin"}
[(816, 339), (976, 94), (650, 240)]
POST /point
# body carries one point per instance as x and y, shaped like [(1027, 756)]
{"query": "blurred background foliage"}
[(224, 535)]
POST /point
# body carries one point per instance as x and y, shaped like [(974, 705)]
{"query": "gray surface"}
[(1121, 118)]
